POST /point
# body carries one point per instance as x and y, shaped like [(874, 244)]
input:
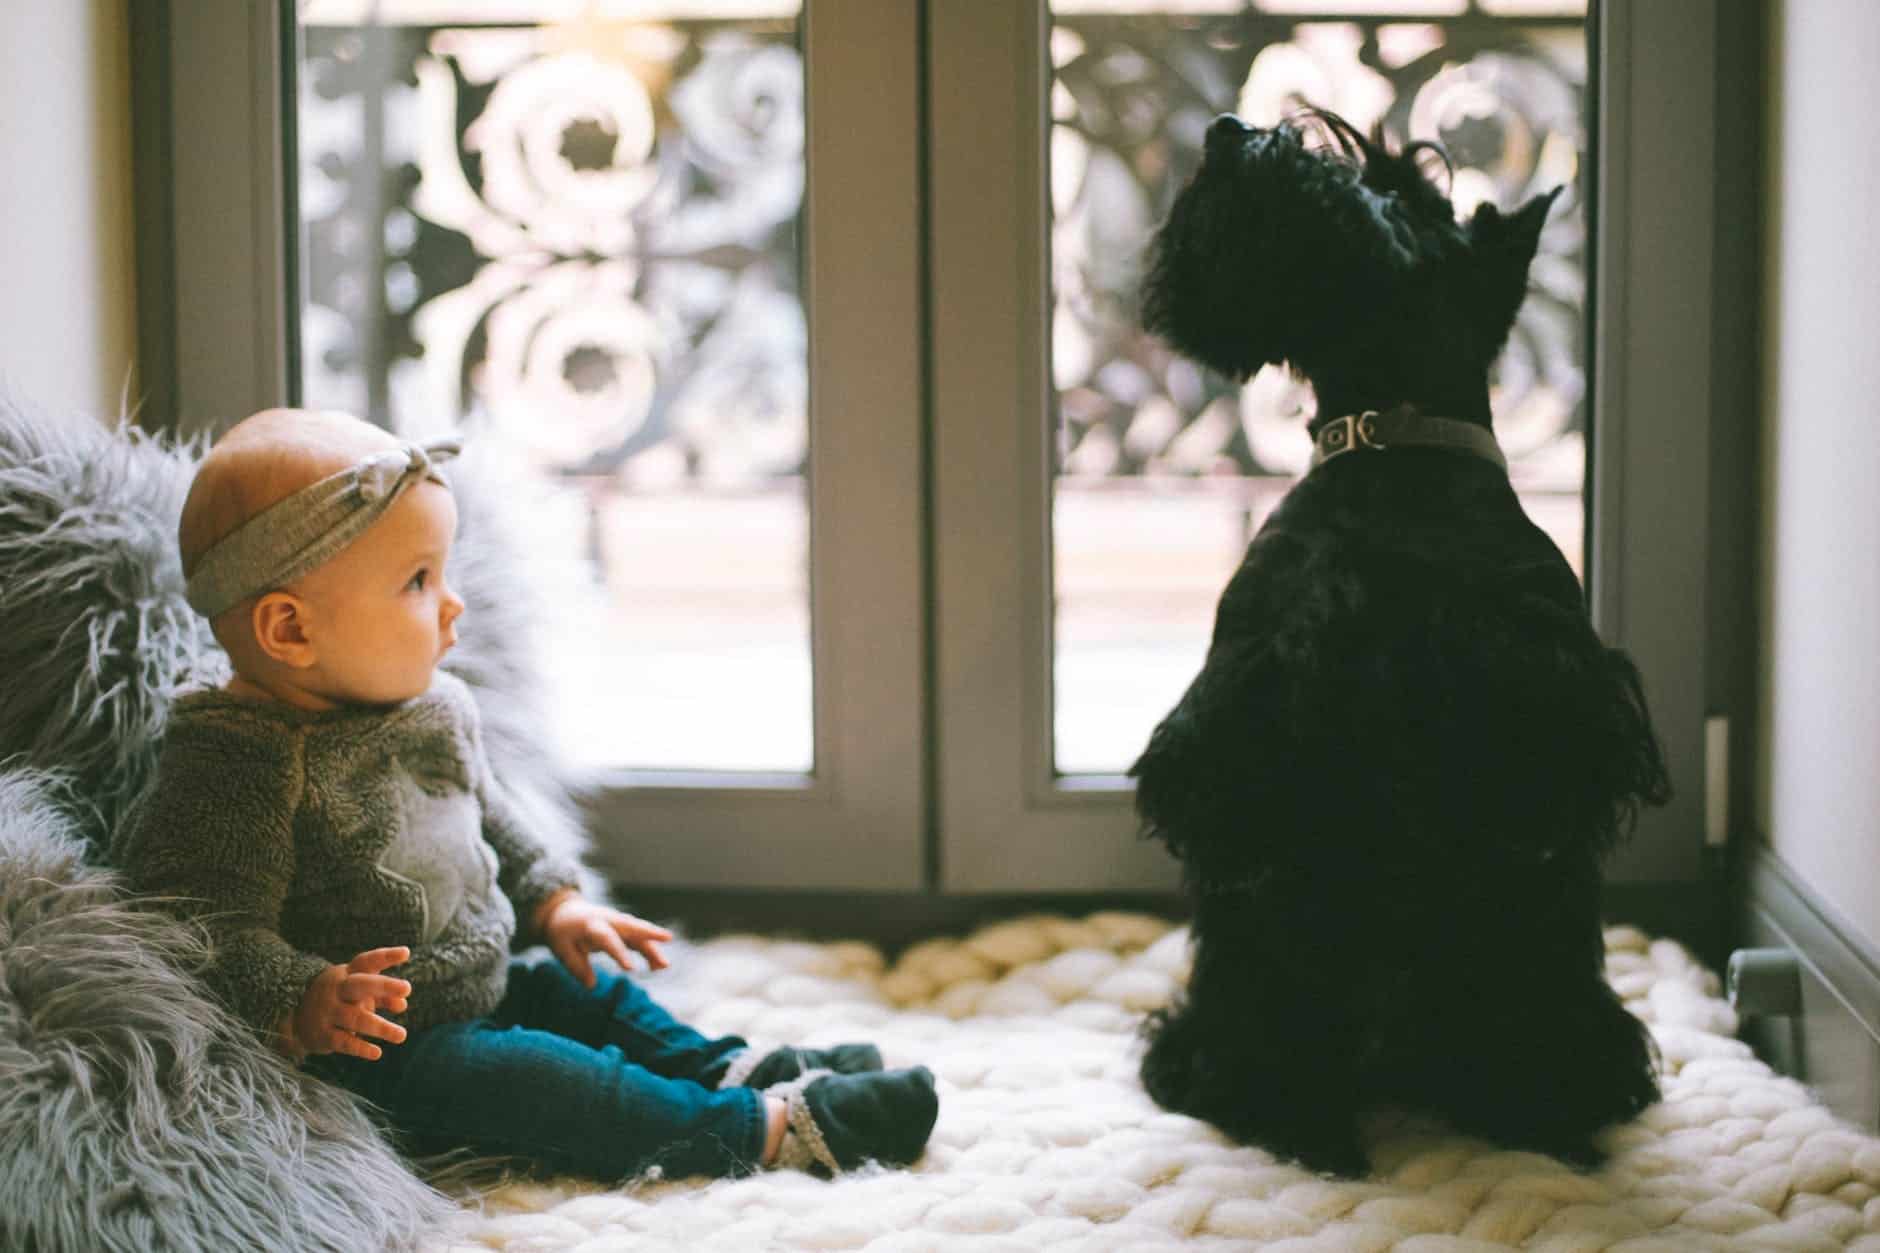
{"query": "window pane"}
[(1164, 470), (571, 229)]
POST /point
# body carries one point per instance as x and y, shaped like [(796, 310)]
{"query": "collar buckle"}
[(1407, 428), (1354, 430)]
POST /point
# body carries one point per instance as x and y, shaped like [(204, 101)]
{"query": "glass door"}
[(578, 233), (1094, 493), (576, 240), (1161, 470)]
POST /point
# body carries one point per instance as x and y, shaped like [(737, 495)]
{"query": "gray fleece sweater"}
[(301, 839)]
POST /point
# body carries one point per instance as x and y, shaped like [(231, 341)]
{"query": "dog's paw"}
[(1331, 1155)]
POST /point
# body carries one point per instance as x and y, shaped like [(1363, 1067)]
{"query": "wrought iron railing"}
[(585, 234), (1133, 94)]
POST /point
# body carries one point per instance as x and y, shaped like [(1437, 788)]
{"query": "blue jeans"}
[(602, 1083)]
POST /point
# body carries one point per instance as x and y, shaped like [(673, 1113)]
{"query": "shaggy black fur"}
[(1393, 783)]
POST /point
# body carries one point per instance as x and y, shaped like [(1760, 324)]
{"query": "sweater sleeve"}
[(527, 872), (213, 840)]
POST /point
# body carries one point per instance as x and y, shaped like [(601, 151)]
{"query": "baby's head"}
[(368, 620)]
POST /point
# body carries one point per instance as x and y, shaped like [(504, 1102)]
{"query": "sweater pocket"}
[(438, 853)]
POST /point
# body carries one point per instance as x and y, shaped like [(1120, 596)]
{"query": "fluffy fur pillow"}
[(94, 635)]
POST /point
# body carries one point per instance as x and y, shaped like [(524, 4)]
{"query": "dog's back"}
[(1404, 664), (1391, 787)]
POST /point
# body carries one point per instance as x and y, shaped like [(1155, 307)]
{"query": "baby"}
[(330, 815)]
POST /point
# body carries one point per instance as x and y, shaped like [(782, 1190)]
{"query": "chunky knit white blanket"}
[(1046, 1140)]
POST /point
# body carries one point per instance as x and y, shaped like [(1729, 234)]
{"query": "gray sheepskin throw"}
[(94, 635), (134, 1114)]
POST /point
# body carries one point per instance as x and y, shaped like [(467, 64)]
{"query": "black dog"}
[(1393, 783)]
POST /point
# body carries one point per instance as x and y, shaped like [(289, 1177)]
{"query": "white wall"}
[(67, 283), (1818, 786)]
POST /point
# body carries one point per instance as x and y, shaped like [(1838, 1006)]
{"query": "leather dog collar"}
[(1380, 429)]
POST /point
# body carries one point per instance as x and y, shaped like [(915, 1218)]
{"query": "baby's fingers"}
[(575, 959), (365, 1023), (641, 929), (642, 935), (353, 1046), (364, 989), (373, 960), (604, 938), (655, 959)]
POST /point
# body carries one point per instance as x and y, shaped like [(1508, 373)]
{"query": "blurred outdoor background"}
[(572, 228)]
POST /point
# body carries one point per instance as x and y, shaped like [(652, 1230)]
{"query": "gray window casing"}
[(926, 282)]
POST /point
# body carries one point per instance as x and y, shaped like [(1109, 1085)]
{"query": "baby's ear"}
[(279, 620)]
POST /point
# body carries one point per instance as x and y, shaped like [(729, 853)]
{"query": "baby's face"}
[(383, 614)]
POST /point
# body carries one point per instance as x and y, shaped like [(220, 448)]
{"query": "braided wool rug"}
[(1046, 1140)]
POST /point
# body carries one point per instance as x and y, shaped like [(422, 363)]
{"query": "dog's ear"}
[(1504, 248), (1516, 236)]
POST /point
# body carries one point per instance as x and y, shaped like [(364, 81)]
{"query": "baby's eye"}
[(418, 580)]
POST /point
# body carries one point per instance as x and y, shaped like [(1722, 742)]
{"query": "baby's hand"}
[(340, 1007), (575, 927)]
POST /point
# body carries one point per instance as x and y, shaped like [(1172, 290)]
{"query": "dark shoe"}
[(837, 1122), (781, 1065)]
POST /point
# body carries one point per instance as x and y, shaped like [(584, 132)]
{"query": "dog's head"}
[(1337, 260)]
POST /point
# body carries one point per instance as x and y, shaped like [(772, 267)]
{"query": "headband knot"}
[(310, 527), (385, 474)]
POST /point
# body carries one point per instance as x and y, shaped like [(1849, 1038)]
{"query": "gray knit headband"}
[(309, 528)]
